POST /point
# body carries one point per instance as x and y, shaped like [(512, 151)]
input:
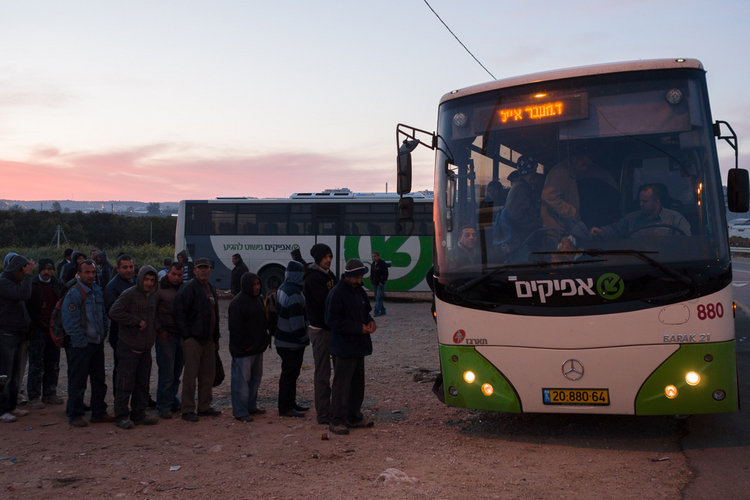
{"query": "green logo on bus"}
[(394, 249), (610, 286)]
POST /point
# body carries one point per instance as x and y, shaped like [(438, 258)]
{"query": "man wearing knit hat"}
[(348, 316), (44, 355), (319, 281)]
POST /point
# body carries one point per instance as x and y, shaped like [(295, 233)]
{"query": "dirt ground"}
[(419, 448)]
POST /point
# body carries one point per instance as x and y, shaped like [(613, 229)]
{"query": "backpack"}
[(272, 311), (56, 330)]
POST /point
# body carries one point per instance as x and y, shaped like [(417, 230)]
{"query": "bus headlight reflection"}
[(469, 377), (487, 389), (670, 391), (692, 378)]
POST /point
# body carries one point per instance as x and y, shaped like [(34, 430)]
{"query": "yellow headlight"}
[(469, 377), (692, 378)]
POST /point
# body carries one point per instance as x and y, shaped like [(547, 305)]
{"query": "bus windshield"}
[(614, 172)]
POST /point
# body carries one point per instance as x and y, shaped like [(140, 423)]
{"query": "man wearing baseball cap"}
[(196, 314), (348, 316)]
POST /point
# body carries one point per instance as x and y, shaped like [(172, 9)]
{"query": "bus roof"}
[(329, 195), (561, 74)]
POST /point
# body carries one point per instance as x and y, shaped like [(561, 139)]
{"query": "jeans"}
[(348, 389), (291, 364), (11, 354), (44, 365), (320, 339), (170, 359), (132, 382), (86, 363), (379, 291), (246, 374)]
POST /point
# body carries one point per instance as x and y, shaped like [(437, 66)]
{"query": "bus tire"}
[(271, 278)]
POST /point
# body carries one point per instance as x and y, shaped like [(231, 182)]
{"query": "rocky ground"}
[(419, 448)]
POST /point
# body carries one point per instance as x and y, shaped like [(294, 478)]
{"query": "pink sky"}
[(164, 172)]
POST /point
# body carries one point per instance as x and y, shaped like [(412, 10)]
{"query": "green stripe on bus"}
[(716, 365), (454, 361), (390, 250)]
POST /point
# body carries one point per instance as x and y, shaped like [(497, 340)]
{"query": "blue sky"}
[(160, 101)]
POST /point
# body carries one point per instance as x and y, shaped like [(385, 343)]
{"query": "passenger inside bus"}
[(651, 220), (561, 196), (468, 252), (521, 215)]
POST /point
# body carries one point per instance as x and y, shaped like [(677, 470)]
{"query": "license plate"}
[(586, 397)]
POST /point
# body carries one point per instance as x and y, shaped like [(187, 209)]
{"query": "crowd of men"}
[(175, 311)]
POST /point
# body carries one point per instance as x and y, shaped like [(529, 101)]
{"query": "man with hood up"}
[(123, 279), (15, 288), (69, 270), (291, 338), (248, 339), (237, 272), (319, 281), (135, 312)]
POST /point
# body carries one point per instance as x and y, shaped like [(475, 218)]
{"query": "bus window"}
[(223, 220)]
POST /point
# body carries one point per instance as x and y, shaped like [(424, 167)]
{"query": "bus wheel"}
[(271, 278)]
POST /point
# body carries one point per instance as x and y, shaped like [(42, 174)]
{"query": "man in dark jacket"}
[(291, 338), (196, 312), (44, 355), (69, 270), (65, 260), (169, 356), (124, 279), (378, 277), (239, 269), (319, 281), (15, 288), (348, 315), (104, 269), (135, 312), (248, 339)]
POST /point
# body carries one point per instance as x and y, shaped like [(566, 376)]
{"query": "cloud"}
[(171, 172)]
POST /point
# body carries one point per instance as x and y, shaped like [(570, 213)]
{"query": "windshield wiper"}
[(534, 265), (640, 254)]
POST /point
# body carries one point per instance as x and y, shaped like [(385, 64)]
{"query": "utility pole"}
[(58, 232)]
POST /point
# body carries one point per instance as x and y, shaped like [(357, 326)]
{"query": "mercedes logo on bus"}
[(572, 369)]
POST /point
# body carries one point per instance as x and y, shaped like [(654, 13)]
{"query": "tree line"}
[(104, 230)]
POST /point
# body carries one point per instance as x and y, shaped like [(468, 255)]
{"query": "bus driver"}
[(651, 220)]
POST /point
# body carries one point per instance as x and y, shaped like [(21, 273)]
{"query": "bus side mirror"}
[(738, 190), (403, 172)]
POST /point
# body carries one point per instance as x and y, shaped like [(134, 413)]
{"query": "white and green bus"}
[(265, 232), (633, 319)]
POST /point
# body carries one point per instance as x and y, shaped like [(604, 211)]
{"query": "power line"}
[(458, 40)]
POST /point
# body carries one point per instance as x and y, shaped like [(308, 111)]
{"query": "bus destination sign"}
[(541, 109)]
